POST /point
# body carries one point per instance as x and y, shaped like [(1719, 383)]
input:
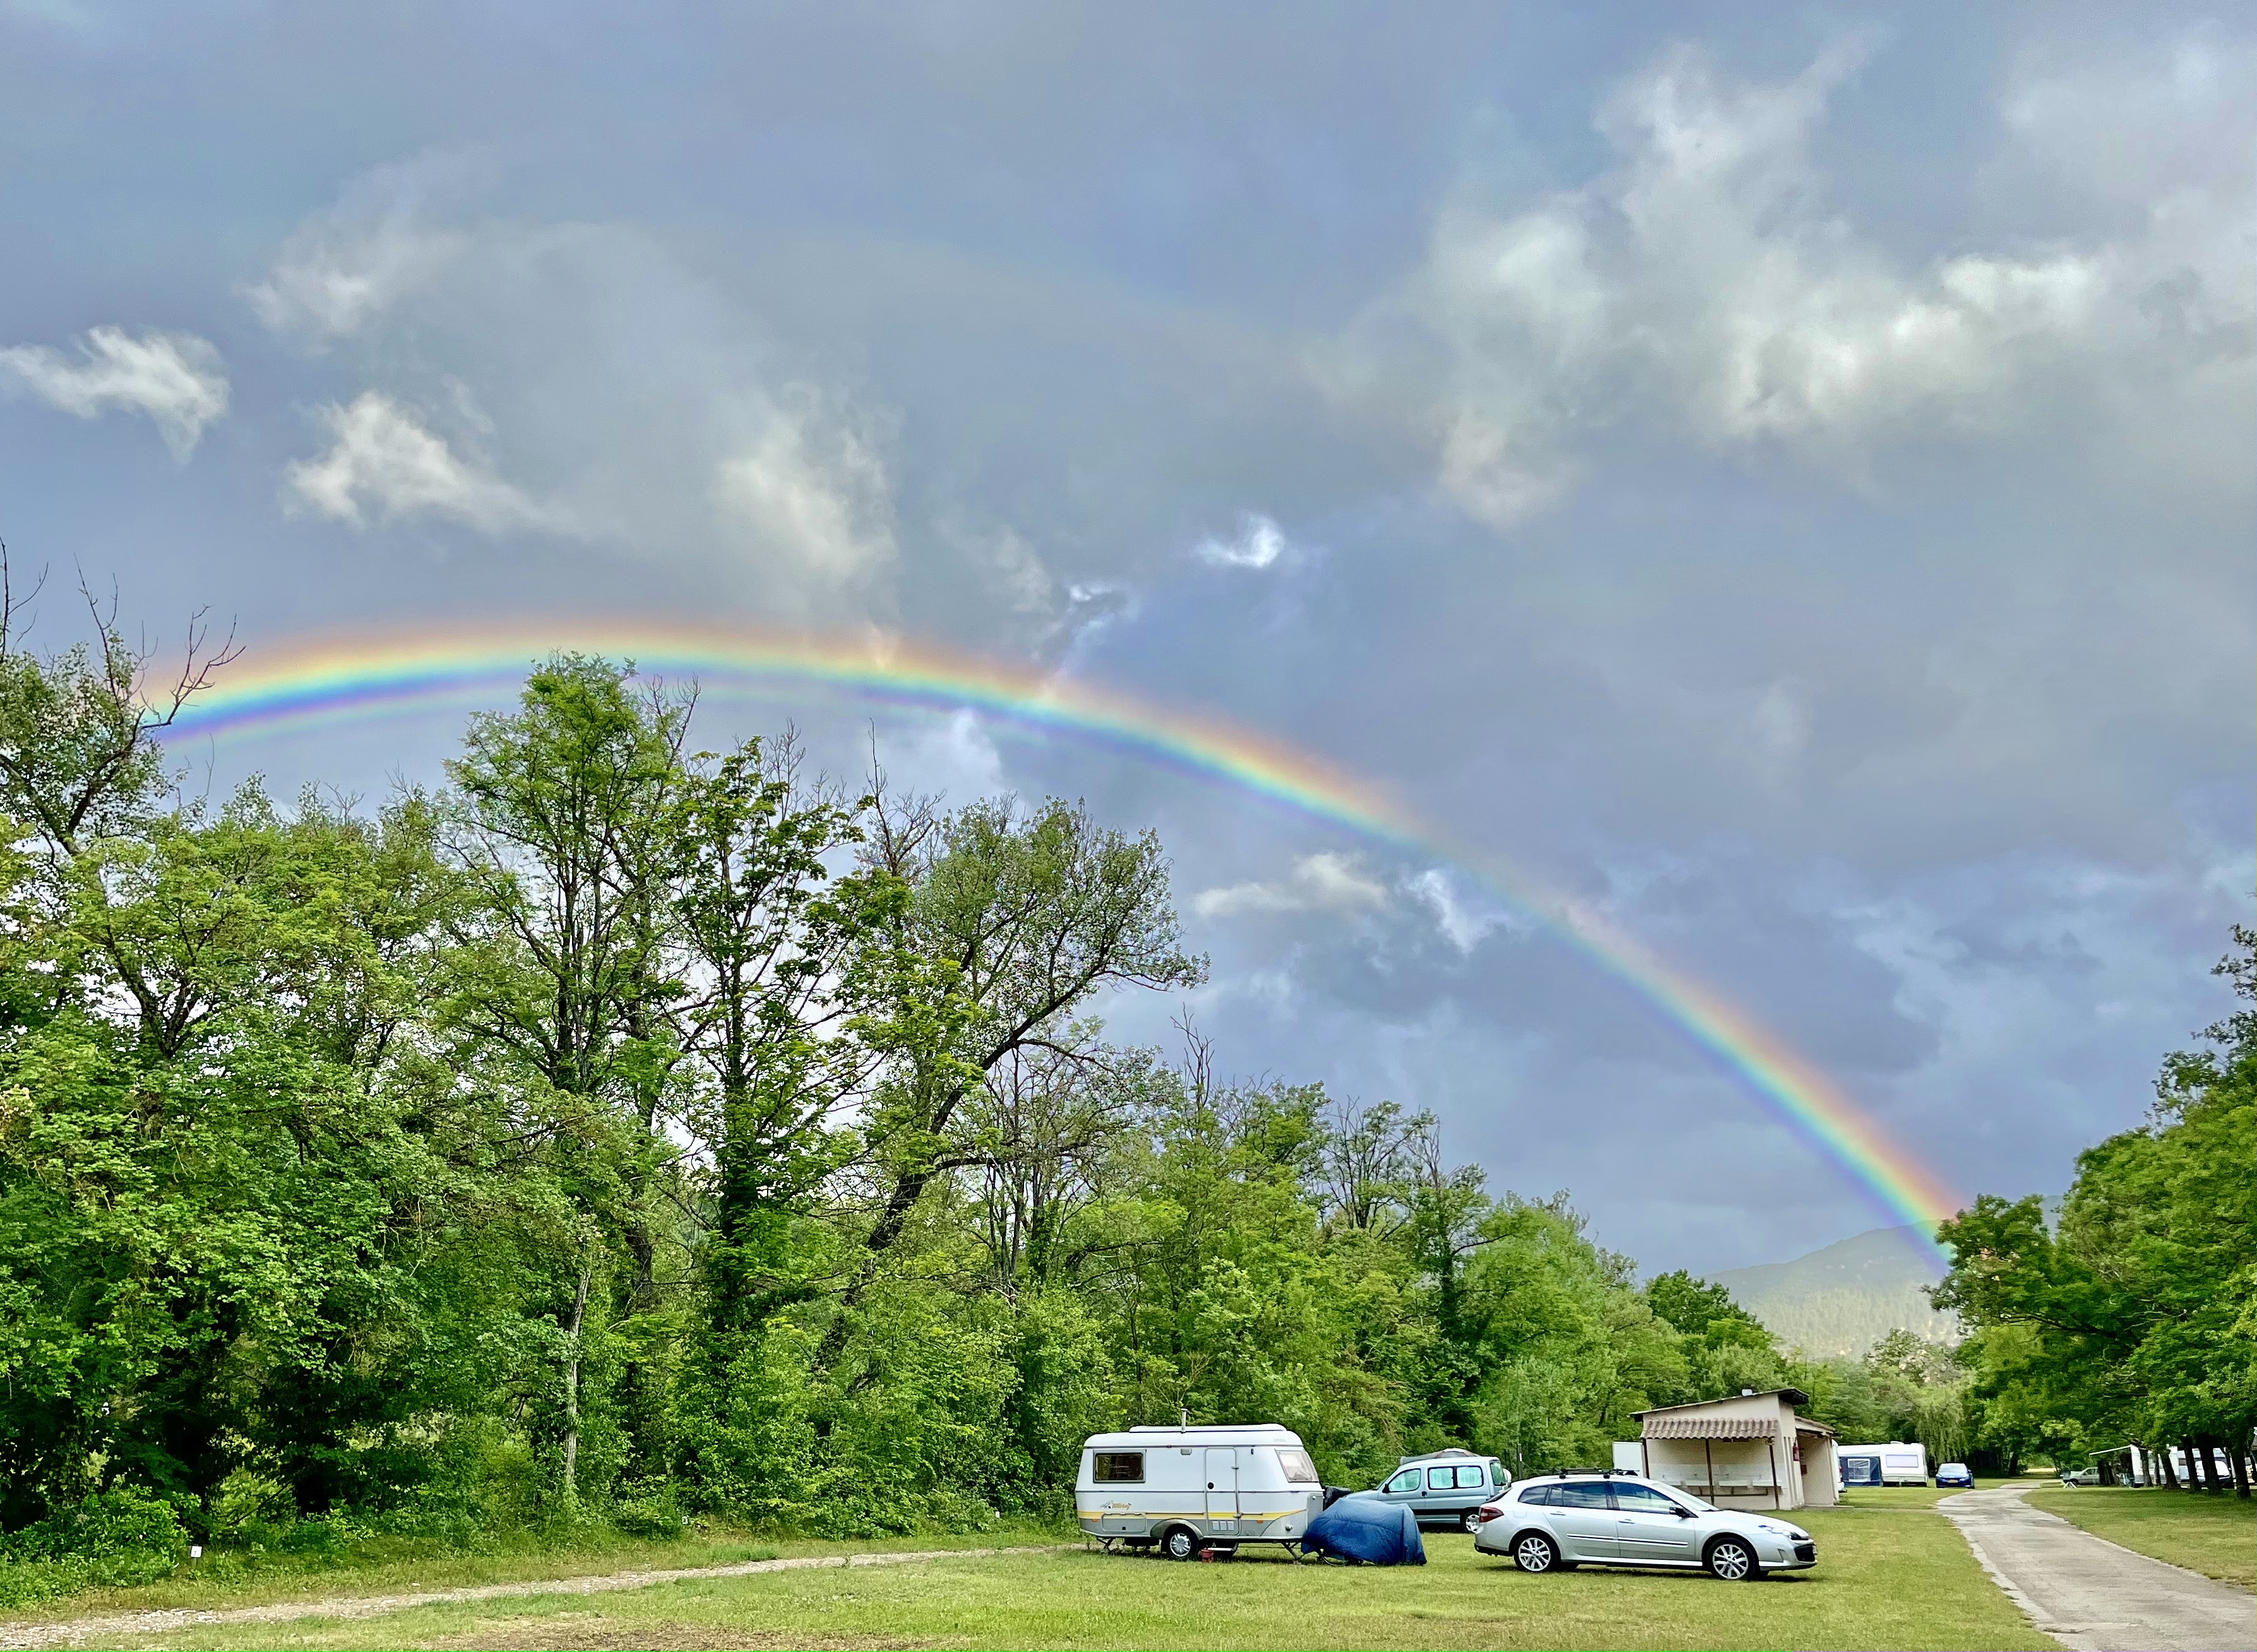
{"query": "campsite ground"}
[(1885, 1580), (2214, 1536), (1898, 1496), (400, 1566)]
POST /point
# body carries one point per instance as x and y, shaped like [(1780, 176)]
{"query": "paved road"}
[(2093, 1595)]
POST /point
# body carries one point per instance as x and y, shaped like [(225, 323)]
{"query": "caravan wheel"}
[(1180, 1542)]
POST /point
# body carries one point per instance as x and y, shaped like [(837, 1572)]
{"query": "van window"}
[(1469, 1476), (1440, 1480), (1299, 1470), (1112, 1468), (1406, 1481)]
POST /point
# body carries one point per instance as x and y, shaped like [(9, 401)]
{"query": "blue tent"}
[(1365, 1528)]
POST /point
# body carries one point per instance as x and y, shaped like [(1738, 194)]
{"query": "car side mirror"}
[(1683, 1513)]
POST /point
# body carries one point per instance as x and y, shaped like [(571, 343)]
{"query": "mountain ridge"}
[(1838, 1301)]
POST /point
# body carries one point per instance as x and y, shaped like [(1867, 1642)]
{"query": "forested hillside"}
[(626, 1132), (1842, 1300)]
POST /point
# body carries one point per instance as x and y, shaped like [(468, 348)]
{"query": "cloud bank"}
[(1708, 285)]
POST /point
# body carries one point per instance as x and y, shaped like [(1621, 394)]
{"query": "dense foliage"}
[(624, 1132), (2131, 1316)]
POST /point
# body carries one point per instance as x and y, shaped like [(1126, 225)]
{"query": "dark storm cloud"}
[(1786, 484)]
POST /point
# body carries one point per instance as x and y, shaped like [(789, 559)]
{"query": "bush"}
[(118, 1538)]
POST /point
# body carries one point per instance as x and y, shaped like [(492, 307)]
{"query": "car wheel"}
[(1179, 1543), (1471, 1522), (1533, 1551), (1732, 1559)]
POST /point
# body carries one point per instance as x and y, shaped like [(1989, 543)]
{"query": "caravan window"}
[(1299, 1470), (1114, 1467)]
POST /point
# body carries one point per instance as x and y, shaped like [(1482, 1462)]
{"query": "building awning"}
[(1804, 1425), (1723, 1428)]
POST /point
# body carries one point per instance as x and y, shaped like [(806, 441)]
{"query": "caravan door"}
[(1222, 1483)]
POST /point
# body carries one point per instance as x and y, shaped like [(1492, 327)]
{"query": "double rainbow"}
[(328, 680)]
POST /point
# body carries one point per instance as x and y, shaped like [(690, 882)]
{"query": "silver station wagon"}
[(1560, 1521)]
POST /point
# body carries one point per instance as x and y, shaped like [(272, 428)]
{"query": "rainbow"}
[(324, 681)]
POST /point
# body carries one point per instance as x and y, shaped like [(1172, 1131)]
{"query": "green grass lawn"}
[(1883, 1581), (2214, 1536), (1901, 1496), (382, 1566)]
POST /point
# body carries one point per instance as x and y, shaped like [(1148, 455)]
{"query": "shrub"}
[(118, 1537)]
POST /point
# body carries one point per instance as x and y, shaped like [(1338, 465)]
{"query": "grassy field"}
[(2214, 1536), (1901, 1496), (1885, 1580), (381, 1566)]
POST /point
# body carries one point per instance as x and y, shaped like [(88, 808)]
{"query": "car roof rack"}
[(1589, 1474)]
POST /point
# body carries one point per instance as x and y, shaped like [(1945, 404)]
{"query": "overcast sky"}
[(1785, 477)]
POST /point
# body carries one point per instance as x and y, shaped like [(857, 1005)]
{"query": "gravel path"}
[(2093, 1595), (119, 1626)]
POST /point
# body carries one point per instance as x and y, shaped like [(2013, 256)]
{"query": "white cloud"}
[(1019, 575), (1323, 882), (811, 490), (176, 378), (1462, 925), (1260, 542), (343, 269), (384, 461), (1704, 284), (950, 756)]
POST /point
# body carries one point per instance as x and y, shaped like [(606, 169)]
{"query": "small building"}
[(1746, 1450)]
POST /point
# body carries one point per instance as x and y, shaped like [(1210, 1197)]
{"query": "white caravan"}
[(1192, 1488), (1894, 1464)]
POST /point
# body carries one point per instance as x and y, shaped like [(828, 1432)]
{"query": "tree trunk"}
[(2198, 1478), (2240, 1459), (572, 1393), (2170, 1474)]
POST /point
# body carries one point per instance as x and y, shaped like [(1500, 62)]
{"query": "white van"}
[(1896, 1462), (1187, 1489)]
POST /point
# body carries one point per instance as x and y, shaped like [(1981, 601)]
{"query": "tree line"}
[(623, 1132), (2127, 1313)]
